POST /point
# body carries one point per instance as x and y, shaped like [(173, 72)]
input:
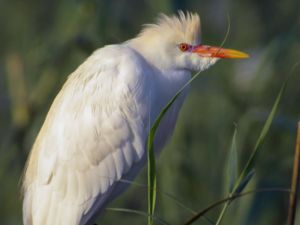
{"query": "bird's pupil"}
[(183, 47)]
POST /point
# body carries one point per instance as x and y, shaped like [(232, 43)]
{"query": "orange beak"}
[(218, 52)]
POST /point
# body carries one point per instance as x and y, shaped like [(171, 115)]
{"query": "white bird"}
[(96, 130)]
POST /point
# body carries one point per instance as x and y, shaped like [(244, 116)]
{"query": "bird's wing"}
[(94, 133)]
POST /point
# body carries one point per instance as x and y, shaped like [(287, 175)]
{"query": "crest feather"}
[(184, 26)]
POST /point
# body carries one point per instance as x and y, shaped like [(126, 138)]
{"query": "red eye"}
[(184, 47)]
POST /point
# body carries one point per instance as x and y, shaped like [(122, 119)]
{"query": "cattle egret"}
[(95, 132)]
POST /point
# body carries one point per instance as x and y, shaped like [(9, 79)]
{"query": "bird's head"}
[(174, 43)]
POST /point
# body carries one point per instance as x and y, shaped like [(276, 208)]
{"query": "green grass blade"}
[(245, 181), (151, 177), (249, 165), (295, 182), (151, 153), (232, 165)]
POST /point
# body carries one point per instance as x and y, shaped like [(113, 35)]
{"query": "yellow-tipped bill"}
[(218, 52)]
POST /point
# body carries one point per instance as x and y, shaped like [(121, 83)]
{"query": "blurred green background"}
[(41, 42)]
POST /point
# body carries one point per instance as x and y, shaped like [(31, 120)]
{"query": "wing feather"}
[(94, 134)]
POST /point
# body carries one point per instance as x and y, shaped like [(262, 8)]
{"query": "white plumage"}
[(96, 130)]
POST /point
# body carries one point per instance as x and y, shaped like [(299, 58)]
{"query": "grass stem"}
[(295, 182)]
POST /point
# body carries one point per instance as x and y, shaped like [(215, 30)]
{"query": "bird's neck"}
[(151, 54), (167, 81), (167, 78)]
